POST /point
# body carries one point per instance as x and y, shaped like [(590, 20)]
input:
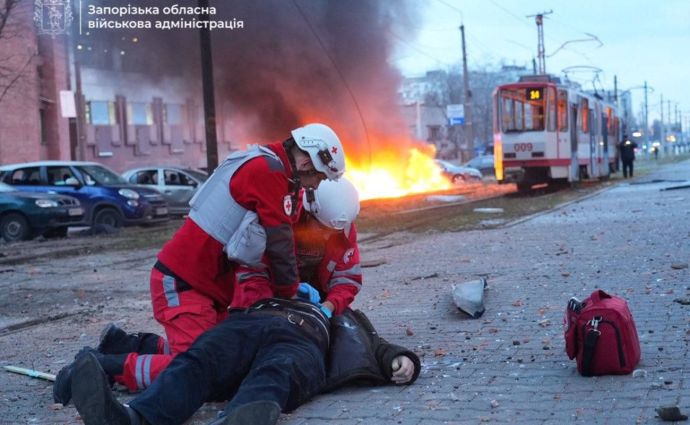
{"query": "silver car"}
[(458, 173), (176, 184)]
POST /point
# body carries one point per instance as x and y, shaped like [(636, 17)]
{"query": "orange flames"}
[(393, 173)]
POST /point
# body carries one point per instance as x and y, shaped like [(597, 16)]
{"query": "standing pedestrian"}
[(627, 149)]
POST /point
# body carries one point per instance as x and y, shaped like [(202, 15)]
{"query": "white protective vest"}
[(214, 209)]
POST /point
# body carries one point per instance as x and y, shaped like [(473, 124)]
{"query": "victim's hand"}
[(403, 370)]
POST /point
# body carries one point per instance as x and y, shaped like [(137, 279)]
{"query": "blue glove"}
[(326, 311), (307, 292)]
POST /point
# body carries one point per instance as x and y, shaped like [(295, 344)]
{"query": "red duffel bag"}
[(600, 332)]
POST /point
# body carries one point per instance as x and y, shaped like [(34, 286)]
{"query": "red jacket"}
[(329, 261), (260, 186)]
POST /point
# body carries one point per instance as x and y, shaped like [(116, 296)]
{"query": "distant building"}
[(131, 115), (424, 100)]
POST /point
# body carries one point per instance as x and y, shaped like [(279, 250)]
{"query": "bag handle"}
[(599, 295)]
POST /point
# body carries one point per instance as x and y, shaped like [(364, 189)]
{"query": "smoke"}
[(302, 61)]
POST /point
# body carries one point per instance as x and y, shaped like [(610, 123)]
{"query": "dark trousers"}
[(627, 168), (248, 357)]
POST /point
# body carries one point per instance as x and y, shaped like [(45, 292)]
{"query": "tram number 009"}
[(523, 147)]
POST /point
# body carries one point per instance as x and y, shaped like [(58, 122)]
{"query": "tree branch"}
[(16, 78)]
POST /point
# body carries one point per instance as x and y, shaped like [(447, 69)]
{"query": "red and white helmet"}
[(334, 203), (324, 149)]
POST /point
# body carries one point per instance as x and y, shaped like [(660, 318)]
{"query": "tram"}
[(546, 131)]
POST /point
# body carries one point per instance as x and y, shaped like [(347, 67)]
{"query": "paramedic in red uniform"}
[(192, 282)]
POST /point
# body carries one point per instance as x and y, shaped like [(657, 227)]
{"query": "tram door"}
[(573, 173), (593, 166), (605, 171)]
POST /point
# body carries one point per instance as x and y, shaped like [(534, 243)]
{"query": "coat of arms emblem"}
[(52, 17)]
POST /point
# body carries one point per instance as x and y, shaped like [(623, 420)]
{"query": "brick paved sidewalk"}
[(509, 366)]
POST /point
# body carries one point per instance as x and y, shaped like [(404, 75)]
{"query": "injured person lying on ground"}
[(328, 257), (279, 365)]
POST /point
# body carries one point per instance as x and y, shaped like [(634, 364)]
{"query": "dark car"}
[(483, 163), (177, 186), (106, 197), (24, 215), (458, 173)]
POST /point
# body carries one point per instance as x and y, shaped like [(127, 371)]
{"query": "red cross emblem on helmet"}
[(334, 150)]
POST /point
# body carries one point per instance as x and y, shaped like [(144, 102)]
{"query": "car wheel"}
[(14, 227), (458, 178), (58, 232), (107, 217)]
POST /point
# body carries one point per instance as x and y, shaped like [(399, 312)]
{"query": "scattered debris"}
[(409, 331), (682, 301), (682, 186), (469, 297), (670, 414), (373, 263), (489, 210), (440, 352), (425, 277), (30, 372), (494, 404), (639, 373), (445, 198), (679, 266)]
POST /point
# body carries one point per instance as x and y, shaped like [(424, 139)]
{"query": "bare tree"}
[(14, 60)]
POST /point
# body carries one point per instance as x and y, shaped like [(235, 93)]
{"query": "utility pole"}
[(79, 121), (615, 90), (539, 19), (662, 127), (208, 90), (646, 121), (469, 131)]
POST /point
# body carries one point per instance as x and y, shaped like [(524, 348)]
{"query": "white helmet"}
[(334, 203), (324, 149)]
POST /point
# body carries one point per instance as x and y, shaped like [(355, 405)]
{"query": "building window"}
[(140, 113), (434, 132), (100, 113), (172, 114), (44, 126)]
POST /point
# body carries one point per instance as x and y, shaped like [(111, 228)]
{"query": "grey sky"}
[(642, 40)]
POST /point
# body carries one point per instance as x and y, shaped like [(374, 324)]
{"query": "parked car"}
[(177, 185), (24, 215), (483, 163), (106, 197), (458, 173)]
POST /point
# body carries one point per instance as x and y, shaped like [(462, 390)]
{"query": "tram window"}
[(562, 110), (551, 108), (508, 116), (584, 113), (522, 109), (609, 120)]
